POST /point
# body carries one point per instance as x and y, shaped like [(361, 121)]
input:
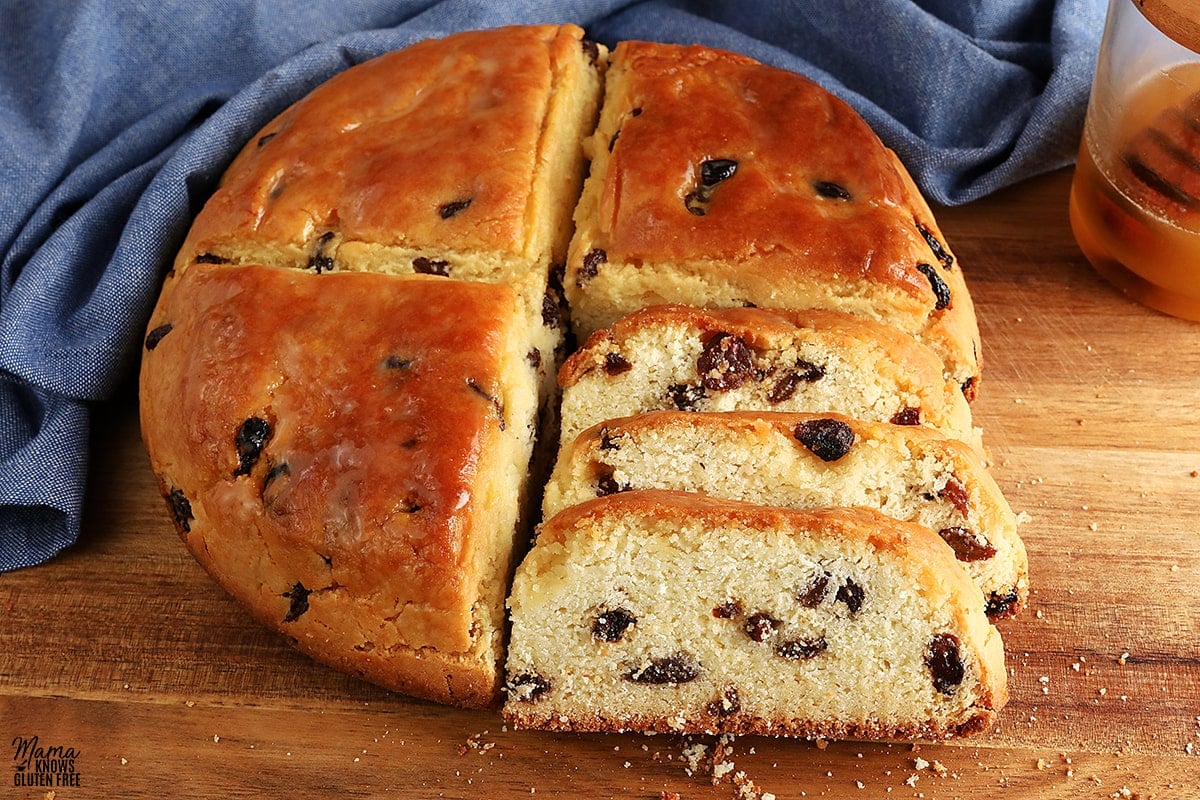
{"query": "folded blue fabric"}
[(117, 119)]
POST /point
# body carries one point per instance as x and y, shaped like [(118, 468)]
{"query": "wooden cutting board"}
[(139, 678)]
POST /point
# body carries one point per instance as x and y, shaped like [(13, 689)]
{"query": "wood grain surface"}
[(124, 658)]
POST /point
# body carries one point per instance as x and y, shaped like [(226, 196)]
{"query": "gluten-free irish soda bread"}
[(350, 386), (672, 612), (809, 461), (693, 359), (348, 466), (719, 181)]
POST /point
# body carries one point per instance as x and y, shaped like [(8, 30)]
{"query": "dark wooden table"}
[(122, 656)]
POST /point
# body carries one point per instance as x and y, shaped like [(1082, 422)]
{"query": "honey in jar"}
[(1135, 200)]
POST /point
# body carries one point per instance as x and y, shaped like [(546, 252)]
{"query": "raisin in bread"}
[(672, 612), (719, 181), (692, 359), (459, 157), (346, 455), (809, 461)]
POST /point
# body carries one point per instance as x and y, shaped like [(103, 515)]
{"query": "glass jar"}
[(1135, 199)]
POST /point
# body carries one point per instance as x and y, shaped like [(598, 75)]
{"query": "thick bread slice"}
[(809, 461), (672, 612), (692, 359)]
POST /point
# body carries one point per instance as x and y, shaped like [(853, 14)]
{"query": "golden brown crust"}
[(817, 213), (373, 419), (432, 144)]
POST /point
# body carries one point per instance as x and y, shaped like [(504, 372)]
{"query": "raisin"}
[(686, 396), (262, 140), (760, 627), (611, 625), (801, 649), (590, 49), (676, 668), (616, 364), (590, 267), (608, 441), (944, 663), (299, 597), (785, 387), (956, 494), (397, 362), (454, 207), (828, 439), (907, 416), (967, 545), (607, 485), (730, 609), (431, 266), (716, 170), (211, 258), (939, 251), (497, 406), (728, 703), (321, 260), (712, 172), (813, 595), (940, 290), (181, 509), (832, 191), (851, 594), (553, 304), (251, 437), (528, 687), (551, 310), (998, 604), (969, 388), (725, 363), (155, 336)]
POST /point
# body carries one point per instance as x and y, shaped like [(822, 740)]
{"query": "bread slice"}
[(457, 157), (672, 612), (346, 464), (718, 181), (681, 357), (809, 461)]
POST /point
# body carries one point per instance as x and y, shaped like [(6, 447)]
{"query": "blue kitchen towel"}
[(117, 118)]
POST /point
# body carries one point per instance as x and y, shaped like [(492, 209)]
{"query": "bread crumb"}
[(123, 761), (665, 795), (1123, 658), (920, 763), (216, 738)]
